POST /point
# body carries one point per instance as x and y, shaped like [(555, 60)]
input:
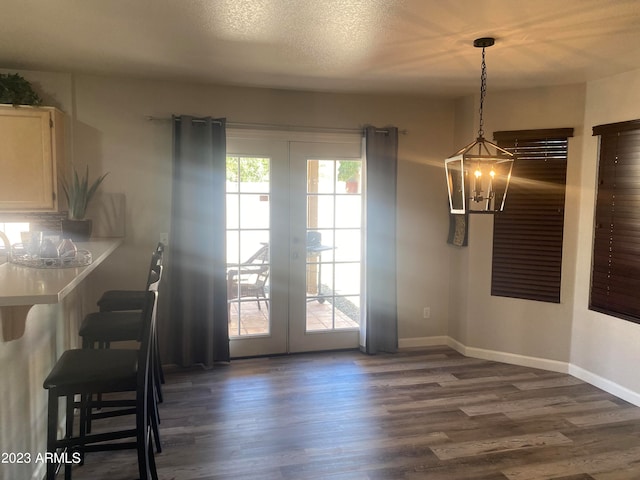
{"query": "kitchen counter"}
[(41, 311), (22, 287)]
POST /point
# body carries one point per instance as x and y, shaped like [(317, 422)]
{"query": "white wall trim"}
[(512, 358), (526, 361), (605, 384)]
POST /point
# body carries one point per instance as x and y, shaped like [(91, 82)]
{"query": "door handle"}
[(295, 255)]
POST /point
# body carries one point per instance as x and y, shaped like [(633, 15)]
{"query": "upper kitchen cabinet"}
[(31, 156)]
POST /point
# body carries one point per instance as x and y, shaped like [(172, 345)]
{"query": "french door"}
[(294, 242)]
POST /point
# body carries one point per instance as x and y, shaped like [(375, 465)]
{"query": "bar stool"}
[(102, 328), (130, 300), (85, 372), (121, 300)]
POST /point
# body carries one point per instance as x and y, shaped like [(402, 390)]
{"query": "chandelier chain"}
[(483, 91)]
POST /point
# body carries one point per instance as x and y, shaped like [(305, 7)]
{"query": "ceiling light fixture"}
[(478, 175)]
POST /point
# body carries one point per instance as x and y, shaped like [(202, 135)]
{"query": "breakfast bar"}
[(21, 287), (40, 312)]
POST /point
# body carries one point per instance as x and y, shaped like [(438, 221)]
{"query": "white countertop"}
[(20, 285)]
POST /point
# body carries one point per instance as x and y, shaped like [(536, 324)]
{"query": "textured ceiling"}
[(413, 46)]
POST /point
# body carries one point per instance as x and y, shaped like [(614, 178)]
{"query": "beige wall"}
[(520, 327), (568, 336), (604, 349), (465, 131), (107, 130), (112, 134)]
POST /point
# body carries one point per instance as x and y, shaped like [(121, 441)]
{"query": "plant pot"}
[(351, 186), (77, 230)]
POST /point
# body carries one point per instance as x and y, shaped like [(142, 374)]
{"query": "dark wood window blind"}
[(527, 234), (615, 274)]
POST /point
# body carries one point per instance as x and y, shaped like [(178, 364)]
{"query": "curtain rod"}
[(292, 128)]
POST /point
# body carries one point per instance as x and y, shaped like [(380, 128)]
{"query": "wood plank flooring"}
[(419, 414)]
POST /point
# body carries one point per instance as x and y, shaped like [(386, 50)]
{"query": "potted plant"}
[(349, 172), (79, 193), (14, 89)]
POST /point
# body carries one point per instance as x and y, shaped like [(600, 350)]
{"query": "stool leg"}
[(52, 432), (69, 434), (157, 373), (142, 439), (90, 343), (157, 358), (154, 419), (87, 412), (84, 422), (69, 419), (152, 463)]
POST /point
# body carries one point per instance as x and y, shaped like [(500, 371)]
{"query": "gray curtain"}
[(197, 332), (381, 313)]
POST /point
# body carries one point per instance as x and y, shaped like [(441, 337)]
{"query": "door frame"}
[(300, 340), (287, 335)]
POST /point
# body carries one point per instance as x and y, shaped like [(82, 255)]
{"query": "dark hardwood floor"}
[(419, 414)]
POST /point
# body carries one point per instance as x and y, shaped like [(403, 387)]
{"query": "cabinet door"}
[(28, 159)]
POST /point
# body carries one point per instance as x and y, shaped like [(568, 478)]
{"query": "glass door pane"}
[(325, 292), (334, 238), (248, 259), (257, 244), (293, 244)]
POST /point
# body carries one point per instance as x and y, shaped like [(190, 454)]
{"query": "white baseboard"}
[(512, 358), (504, 357), (605, 384), (526, 361)]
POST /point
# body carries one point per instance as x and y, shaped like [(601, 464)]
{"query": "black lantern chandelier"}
[(478, 175)]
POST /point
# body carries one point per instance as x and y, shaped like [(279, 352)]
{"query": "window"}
[(527, 234), (615, 274), (334, 244), (248, 188), (13, 231)]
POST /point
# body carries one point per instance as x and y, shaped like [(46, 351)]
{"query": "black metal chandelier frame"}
[(485, 189)]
